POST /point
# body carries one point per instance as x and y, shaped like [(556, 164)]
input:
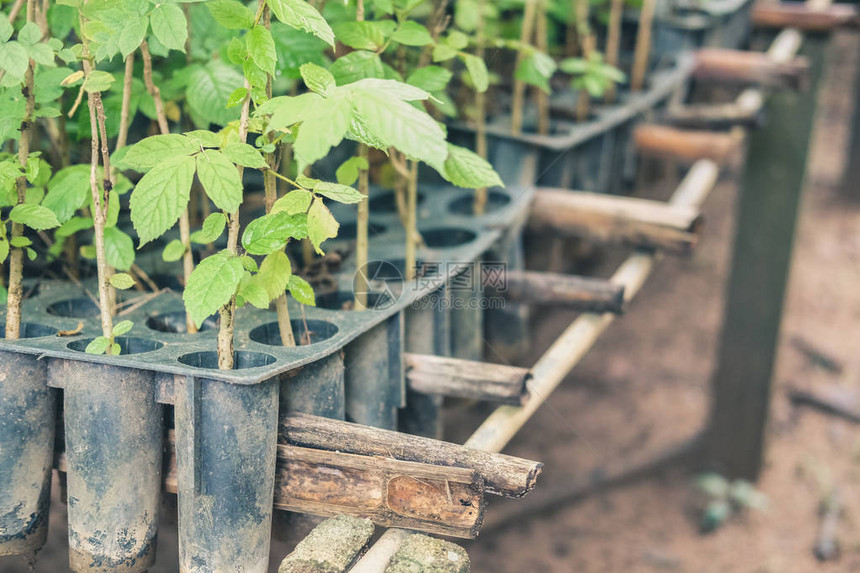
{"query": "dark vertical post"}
[(851, 177), (770, 195)]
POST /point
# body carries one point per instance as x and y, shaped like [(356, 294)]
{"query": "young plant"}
[(591, 77)]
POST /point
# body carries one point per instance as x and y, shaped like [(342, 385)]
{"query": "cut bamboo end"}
[(417, 496), (712, 116), (804, 17), (503, 475), (609, 219), (468, 379), (750, 68), (684, 145), (568, 291)]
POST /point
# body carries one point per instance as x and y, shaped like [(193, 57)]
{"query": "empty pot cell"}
[(82, 307), (174, 322), (305, 332), (113, 431), (465, 205), (427, 330), (380, 272), (27, 414), (387, 203), (374, 375), (348, 231), (447, 237), (345, 300), (226, 444)]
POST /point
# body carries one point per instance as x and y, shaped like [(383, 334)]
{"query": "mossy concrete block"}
[(425, 554), (330, 548)]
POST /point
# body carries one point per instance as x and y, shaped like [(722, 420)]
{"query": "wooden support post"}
[(503, 475), (770, 194), (616, 220), (438, 375), (803, 16), (567, 291), (683, 145), (418, 496), (751, 68), (331, 547), (711, 116)]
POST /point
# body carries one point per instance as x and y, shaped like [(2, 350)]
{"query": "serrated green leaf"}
[(173, 251), (213, 227), (119, 249), (149, 152), (274, 275), (123, 327), (209, 88), (466, 168), (411, 33), (300, 14), (74, 225), (301, 290), (98, 345), (321, 225), (249, 264), (255, 294), (161, 196), (296, 201), (4, 250), (478, 72), (122, 281), (42, 54), (68, 191), (356, 66), (430, 78), (231, 14), (244, 155), (323, 129), (237, 98), (203, 138), (443, 53), (14, 59), (261, 48), (34, 216), (220, 180), (317, 78), (98, 81), (212, 284), (364, 35), (271, 232), (338, 192), (132, 35), (169, 26)]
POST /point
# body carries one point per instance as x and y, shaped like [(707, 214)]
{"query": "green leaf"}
[(271, 232), (209, 88), (412, 33), (6, 30), (536, 70), (275, 273), (173, 251), (119, 248), (34, 216), (212, 285), (465, 168), (244, 155), (255, 294), (356, 66), (457, 40), (29, 34), (347, 173), (74, 225), (363, 35), (14, 59), (203, 138), (321, 225), (317, 78), (169, 25), (443, 53), (323, 129), (149, 152), (237, 98), (338, 192), (287, 111), (122, 281), (261, 48), (430, 78), (299, 14), (132, 35), (42, 54), (301, 290), (249, 264), (231, 14), (68, 191), (4, 250), (98, 345), (20, 242), (236, 51), (161, 196), (220, 179), (478, 72), (294, 202), (123, 327), (97, 81), (213, 227)]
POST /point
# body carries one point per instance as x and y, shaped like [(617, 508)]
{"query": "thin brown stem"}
[(643, 45), (480, 204), (613, 41), (16, 9), (362, 238), (16, 257), (543, 45), (125, 110), (411, 220), (519, 85)]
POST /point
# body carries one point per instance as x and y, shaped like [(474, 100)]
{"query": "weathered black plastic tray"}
[(330, 329)]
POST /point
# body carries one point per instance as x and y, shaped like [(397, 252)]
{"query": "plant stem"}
[(586, 40), (480, 204), (411, 219), (519, 85), (542, 45), (362, 239), (16, 255), (613, 41), (122, 136), (228, 311), (164, 128), (643, 45)]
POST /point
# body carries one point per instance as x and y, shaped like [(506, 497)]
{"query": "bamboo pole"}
[(755, 68), (684, 145), (803, 16), (469, 379), (567, 291), (643, 45)]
